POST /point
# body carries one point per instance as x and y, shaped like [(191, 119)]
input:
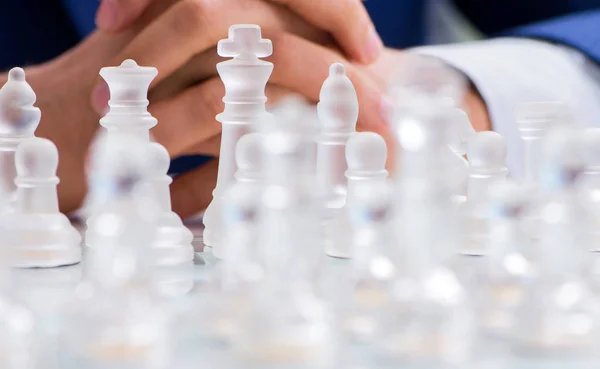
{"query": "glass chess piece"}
[(210, 319), (20, 344), (365, 290), (429, 321), (503, 277), (288, 326), (558, 322), (113, 321)]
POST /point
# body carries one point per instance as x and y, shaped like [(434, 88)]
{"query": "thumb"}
[(116, 15)]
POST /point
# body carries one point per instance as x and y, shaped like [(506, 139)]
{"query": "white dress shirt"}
[(510, 71)]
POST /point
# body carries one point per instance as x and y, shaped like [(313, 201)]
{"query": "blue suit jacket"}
[(34, 31)]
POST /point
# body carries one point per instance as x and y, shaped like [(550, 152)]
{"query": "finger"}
[(210, 147), (192, 192), (115, 15), (204, 66), (347, 20), (190, 27), (302, 67), (198, 69), (189, 117)]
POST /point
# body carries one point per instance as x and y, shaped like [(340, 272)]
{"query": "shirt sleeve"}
[(510, 71)]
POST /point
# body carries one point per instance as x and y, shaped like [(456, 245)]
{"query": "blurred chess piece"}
[(366, 155), (338, 113), (19, 119), (173, 242), (39, 235)]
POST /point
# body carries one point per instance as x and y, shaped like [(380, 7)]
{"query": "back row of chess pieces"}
[(290, 190)]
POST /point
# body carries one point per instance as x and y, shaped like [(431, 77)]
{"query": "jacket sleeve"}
[(580, 31)]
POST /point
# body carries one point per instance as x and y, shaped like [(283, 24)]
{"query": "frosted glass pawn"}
[(173, 242), (128, 114), (338, 113), (119, 167), (487, 154), (248, 179), (245, 78), (366, 155), (533, 122), (40, 236), (18, 121)]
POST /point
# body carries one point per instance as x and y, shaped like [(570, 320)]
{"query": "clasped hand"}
[(179, 38)]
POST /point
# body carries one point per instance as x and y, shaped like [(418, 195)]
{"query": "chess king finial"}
[(245, 42), (128, 85), (245, 76)]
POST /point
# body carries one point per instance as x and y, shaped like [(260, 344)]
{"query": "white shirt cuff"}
[(510, 71)]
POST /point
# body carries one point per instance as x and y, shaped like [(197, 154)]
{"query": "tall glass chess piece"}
[(507, 270), (428, 323), (245, 77), (558, 322), (366, 289), (288, 326), (211, 319), (113, 321)]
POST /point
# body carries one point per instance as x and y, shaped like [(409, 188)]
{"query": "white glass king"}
[(245, 78)]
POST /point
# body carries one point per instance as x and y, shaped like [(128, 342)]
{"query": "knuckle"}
[(207, 105), (213, 96), (281, 45), (191, 16), (351, 13)]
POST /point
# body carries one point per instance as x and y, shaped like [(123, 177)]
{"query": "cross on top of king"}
[(245, 42)]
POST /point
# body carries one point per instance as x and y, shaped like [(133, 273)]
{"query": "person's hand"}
[(384, 71), (188, 93), (347, 21), (172, 40)]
